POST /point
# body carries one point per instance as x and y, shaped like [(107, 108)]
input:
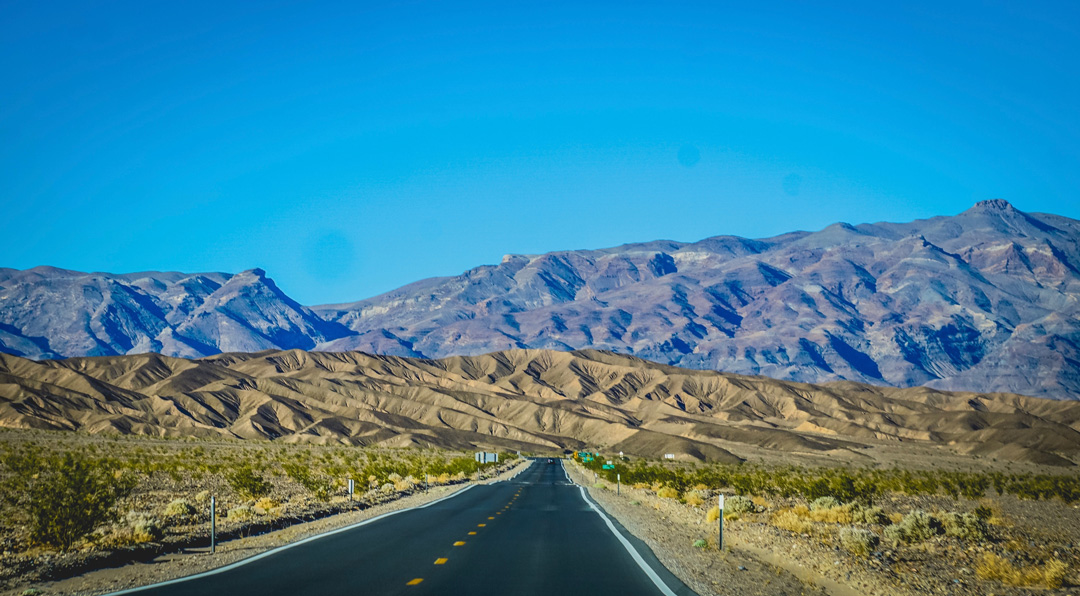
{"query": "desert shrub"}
[(836, 514), (823, 503), (859, 541), (144, 527), (387, 488), (713, 514), (792, 522), (63, 497), (246, 482), (179, 508), (995, 568), (699, 543), (740, 504), (966, 526), (916, 526), (301, 474), (861, 514), (443, 478), (694, 499), (265, 506), (202, 497), (1054, 572), (241, 513), (668, 493)]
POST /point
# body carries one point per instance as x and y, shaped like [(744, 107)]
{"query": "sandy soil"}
[(197, 560), (671, 533), (762, 559)]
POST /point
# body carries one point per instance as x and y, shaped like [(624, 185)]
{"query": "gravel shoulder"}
[(197, 560), (761, 558), (671, 533)]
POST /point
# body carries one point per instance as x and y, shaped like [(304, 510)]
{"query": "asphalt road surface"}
[(534, 534)]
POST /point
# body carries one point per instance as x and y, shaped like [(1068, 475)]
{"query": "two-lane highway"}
[(535, 534)]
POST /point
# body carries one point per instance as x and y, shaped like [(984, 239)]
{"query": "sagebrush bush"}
[(179, 508), (694, 499), (144, 527), (63, 497), (713, 514), (966, 526), (668, 493), (387, 488), (861, 514), (823, 503), (740, 504), (859, 541), (916, 526)]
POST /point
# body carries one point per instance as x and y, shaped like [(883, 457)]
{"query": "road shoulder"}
[(189, 562)]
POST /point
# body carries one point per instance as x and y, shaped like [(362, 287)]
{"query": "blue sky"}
[(350, 148)]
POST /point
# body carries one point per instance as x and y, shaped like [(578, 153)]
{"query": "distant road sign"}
[(608, 467)]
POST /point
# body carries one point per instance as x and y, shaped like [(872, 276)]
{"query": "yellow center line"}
[(491, 518), (459, 543), (472, 533), (480, 525), (441, 561), (413, 582)]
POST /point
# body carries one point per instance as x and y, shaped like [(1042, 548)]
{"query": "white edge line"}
[(263, 555), (660, 585)]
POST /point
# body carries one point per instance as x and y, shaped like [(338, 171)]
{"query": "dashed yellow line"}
[(413, 582), (480, 525), (491, 518), (441, 561), (472, 533), (459, 543)]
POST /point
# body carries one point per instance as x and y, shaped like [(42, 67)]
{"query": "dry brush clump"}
[(1050, 574), (858, 541)]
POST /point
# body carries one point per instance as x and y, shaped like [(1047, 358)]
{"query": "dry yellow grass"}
[(992, 567), (668, 493), (694, 500), (791, 521), (713, 514)]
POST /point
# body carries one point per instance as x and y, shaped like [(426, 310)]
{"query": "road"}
[(534, 534)]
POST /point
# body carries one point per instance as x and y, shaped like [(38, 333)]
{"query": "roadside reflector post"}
[(213, 524), (618, 484), (352, 488), (721, 505)]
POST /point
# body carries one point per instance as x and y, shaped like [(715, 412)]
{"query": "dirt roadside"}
[(670, 532), (192, 561)]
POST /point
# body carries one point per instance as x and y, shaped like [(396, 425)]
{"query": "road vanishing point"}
[(536, 533)]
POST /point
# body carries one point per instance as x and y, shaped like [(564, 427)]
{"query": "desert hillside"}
[(535, 400)]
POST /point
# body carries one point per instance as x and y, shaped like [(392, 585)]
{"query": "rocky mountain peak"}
[(988, 300), (993, 206)]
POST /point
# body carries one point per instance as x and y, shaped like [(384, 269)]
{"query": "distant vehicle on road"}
[(551, 461)]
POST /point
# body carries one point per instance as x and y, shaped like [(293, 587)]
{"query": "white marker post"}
[(618, 486), (213, 524), (721, 504), (352, 488)]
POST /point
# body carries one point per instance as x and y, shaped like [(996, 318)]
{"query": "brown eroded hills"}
[(535, 400)]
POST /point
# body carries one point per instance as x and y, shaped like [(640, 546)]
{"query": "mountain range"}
[(985, 301), (531, 400)]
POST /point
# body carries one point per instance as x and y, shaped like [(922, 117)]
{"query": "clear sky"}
[(349, 148)]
